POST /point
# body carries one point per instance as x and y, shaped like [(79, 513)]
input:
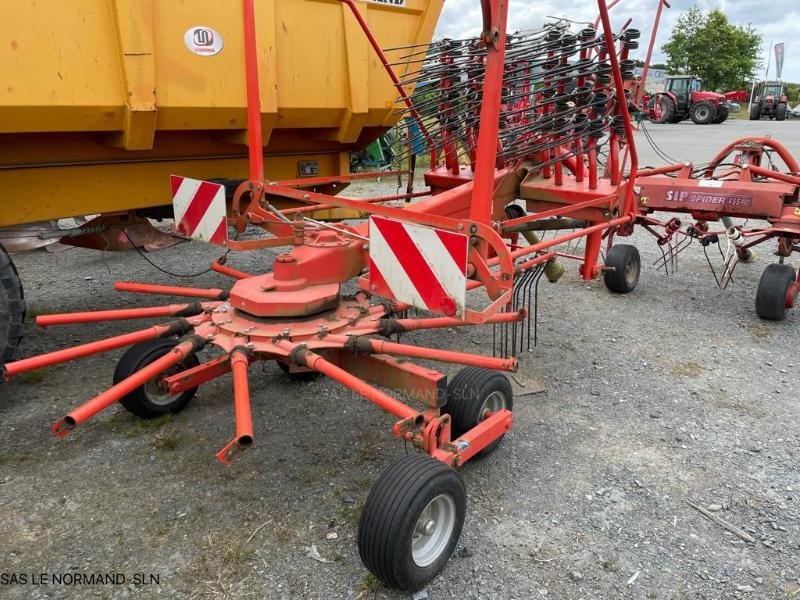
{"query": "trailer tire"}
[(471, 394), (755, 111), (149, 401), (780, 112), (703, 113), (776, 292), (411, 521), (623, 267), (12, 308)]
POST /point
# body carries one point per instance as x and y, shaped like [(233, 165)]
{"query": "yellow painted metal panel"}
[(89, 84)]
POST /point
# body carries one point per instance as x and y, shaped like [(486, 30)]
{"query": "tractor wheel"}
[(471, 395), (623, 266), (722, 114), (755, 111), (703, 113), (667, 111), (780, 112), (12, 308), (411, 521), (150, 400), (776, 292)]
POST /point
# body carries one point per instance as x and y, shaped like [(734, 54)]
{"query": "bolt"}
[(428, 528), (306, 197)]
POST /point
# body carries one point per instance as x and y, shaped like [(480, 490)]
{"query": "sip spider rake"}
[(515, 118), (742, 181)]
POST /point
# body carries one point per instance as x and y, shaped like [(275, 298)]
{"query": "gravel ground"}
[(675, 393)]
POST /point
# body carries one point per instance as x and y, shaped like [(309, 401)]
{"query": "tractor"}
[(769, 101), (682, 98)]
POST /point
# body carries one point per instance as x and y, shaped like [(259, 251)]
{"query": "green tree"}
[(708, 45)]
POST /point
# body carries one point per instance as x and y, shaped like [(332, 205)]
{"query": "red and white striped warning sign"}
[(199, 208), (418, 265)]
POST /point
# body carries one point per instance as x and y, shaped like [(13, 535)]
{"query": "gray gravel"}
[(675, 393)]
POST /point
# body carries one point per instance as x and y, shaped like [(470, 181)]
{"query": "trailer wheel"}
[(623, 266), (776, 292), (471, 395), (12, 308), (150, 400), (411, 521), (755, 111), (702, 113), (780, 112)]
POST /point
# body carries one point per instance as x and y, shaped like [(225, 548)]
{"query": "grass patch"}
[(687, 368), (32, 377), (368, 586)]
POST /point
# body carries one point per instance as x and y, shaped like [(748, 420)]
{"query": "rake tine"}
[(243, 439), (176, 327), (171, 310), (82, 413), (168, 290)]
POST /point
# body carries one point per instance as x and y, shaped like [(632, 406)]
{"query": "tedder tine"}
[(87, 410), (241, 404), (171, 310), (176, 327), (169, 290)]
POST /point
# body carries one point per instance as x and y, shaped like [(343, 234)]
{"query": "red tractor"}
[(682, 99), (769, 101)]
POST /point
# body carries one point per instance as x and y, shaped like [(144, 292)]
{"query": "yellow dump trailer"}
[(101, 100)]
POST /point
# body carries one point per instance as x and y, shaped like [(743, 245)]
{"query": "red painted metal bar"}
[(241, 403), (528, 264), (782, 151), (661, 170), (524, 251), (440, 322), (619, 86), (495, 13), (774, 174), (480, 436), (171, 310), (395, 80), (254, 138), (228, 271), (557, 212), (99, 403), (377, 200), (12, 369), (202, 373), (168, 290), (359, 386), (367, 345), (656, 21)]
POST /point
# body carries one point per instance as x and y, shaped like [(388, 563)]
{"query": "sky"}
[(462, 18)]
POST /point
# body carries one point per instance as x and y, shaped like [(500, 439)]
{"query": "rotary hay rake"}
[(755, 179), (540, 117)]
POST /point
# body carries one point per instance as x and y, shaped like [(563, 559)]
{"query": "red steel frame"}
[(287, 326)]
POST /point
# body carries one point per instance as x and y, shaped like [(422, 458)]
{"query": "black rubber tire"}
[(772, 291), (703, 113), (467, 393), (300, 375), (390, 516), (139, 356), (722, 114), (780, 112), (625, 268), (755, 111), (12, 308)]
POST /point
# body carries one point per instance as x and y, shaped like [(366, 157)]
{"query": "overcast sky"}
[(778, 23)]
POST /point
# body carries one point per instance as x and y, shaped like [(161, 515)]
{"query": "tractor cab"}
[(769, 101)]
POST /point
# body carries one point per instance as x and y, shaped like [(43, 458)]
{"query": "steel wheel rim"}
[(433, 530), (630, 272), (703, 113), (494, 402), (156, 393)]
